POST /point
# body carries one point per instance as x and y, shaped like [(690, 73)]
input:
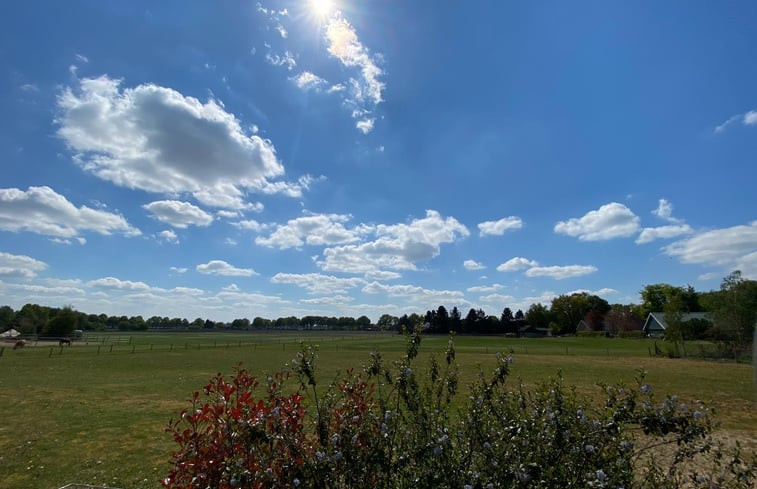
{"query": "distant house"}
[(655, 324), (529, 331), (583, 326), (9, 334)]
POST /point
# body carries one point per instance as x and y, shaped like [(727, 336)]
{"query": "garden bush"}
[(400, 425)]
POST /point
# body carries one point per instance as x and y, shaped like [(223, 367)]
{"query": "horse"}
[(19, 344), (64, 341)]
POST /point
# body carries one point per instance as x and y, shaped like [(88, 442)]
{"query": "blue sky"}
[(241, 159)]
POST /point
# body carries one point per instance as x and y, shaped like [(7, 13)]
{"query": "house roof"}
[(11, 333), (659, 318)]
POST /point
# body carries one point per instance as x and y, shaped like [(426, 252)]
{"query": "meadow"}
[(96, 412)]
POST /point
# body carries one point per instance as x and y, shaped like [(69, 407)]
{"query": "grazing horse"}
[(64, 341), (19, 344)]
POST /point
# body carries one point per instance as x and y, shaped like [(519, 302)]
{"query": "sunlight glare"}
[(321, 8)]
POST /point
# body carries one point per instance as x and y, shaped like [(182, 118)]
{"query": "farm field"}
[(96, 412)]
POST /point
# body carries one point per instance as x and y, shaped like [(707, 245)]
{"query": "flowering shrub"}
[(395, 427)]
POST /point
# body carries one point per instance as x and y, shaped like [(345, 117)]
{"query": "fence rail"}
[(75, 485)]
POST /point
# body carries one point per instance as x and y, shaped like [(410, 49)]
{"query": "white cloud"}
[(286, 59), (561, 272), (662, 232), (309, 81), (414, 293), (169, 235), (344, 45), (398, 246), (228, 214), (220, 267), (250, 225), (43, 211), (178, 269), (601, 292), (732, 248), (315, 230), (665, 211), (748, 119), (365, 92), (382, 275), (317, 283), (365, 125), (156, 139), (498, 228), (118, 284), (290, 189), (497, 299), (20, 266), (517, 263), (179, 214), (334, 299), (480, 289), (612, 220), (473, 265)]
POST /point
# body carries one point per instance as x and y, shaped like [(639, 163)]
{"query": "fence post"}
[(51, 352), (133, 347), (111, 348), (2, 349), (98, 349)]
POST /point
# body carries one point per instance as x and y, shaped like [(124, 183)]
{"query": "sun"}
[(321, 8)]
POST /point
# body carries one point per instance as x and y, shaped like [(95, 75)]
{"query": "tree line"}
[(731, 314)]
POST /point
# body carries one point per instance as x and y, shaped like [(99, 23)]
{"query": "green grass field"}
[(95, 413)]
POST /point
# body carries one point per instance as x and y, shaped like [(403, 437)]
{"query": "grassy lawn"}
[(96, 413)]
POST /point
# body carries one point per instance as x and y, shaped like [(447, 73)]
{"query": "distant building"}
[(10, 334), (655, 325)]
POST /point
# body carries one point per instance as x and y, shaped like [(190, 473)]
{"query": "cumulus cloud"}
[(561, 272), (286, 59), (414, 293), (179, 214), (20, 266), (118, 284), (364, 92), (382, 275), (156, 139), (309, 81), (250, 225), (498, 228), (220, 267), (612, 220), (732, 248), (480, 289), (333, 299), (365, 125), (600, 292), (398, 246), (317, 283), (662, 232), (748, 119), (315, 230), (169, 235), (665, 211), (473, 265), (43, 211), (517, 263), (497, 299)]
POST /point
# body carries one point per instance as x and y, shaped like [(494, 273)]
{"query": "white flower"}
[(646, 388), (601, 476)]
